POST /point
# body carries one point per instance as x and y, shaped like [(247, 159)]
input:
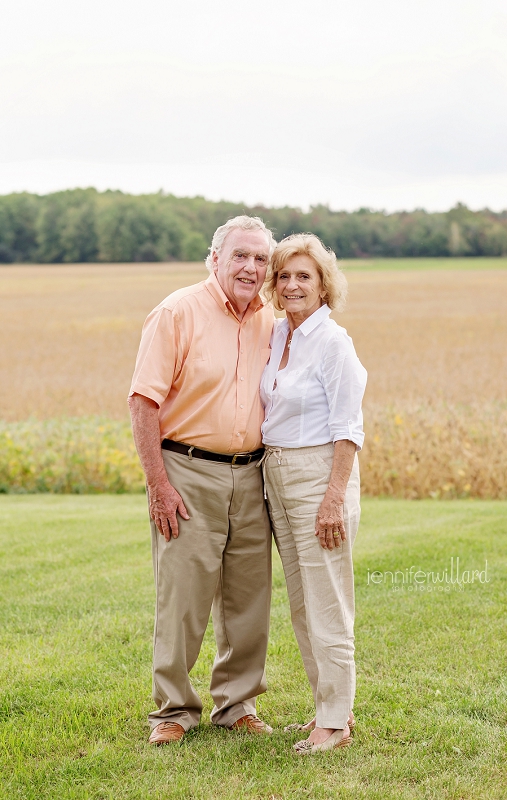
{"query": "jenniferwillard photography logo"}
[(415, 579)]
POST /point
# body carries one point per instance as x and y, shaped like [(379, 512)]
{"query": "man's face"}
[(241, 266)]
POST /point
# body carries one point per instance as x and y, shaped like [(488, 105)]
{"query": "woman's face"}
[(298, 286)]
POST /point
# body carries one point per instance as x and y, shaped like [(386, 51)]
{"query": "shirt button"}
[(241, 406), (226, 311), (241, 351), (238, 434), (242, 379)]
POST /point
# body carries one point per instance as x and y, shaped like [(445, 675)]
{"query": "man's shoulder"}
[(185, 297), (266, 313)]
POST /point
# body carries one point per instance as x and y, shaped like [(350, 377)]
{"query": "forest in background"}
[(84, 225)]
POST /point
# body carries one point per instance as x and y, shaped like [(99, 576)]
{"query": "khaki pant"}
[(320, 583), (220, 561)]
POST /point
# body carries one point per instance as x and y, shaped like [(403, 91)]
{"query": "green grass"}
[(76, 619), (425, 263)]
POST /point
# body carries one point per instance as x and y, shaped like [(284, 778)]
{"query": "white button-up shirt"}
[(317, 398)]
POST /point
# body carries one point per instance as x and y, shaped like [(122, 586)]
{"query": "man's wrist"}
[(156, 481)]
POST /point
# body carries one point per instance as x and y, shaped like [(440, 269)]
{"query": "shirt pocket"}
[(293, 385)]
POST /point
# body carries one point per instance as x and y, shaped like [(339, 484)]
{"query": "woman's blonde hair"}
[(334, 282)]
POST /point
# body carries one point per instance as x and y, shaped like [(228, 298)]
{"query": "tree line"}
[(84, 225)]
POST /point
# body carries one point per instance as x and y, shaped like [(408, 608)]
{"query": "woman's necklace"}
[(289, 340)]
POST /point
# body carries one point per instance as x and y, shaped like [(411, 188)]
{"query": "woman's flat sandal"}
[(300, 726), (337, 739)]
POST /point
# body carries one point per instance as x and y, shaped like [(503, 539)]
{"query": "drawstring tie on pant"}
[(269, 451)]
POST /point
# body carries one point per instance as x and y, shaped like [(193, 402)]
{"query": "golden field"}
[(434, 342)]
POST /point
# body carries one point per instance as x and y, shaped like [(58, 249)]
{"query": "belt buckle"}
[(241, 455)]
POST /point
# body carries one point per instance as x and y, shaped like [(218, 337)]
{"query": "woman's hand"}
[(330, 525)]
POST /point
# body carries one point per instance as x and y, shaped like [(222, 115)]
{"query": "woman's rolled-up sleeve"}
[(344, 381)]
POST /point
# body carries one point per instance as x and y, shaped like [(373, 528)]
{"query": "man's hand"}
[(164, 503), (330, 526)]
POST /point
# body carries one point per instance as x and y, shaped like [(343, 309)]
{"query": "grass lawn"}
[(76, 619)]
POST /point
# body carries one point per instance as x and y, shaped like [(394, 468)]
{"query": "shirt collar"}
[(314, 320), (223, 301)]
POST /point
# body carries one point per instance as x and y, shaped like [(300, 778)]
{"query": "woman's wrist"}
[(337, 494)]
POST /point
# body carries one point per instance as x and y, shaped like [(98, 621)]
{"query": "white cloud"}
[(392, 104)]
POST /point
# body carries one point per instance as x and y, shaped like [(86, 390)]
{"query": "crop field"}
[(76, 589), (432, 334)]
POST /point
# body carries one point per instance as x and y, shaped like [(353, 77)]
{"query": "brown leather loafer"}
[(166, 732), (251, 724)]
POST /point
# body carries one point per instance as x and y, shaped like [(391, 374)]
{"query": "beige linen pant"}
[(320, 583), (220, 561)]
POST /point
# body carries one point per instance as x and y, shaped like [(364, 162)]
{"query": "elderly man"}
[(196, 417)]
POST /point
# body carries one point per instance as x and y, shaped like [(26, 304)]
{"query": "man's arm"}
[(164, 500)]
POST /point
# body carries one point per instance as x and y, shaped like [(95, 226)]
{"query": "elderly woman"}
[(312, 390)]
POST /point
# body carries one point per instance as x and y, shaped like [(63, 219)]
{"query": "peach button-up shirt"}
[(203, 366)]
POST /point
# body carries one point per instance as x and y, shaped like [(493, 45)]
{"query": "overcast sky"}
[(392, 104)]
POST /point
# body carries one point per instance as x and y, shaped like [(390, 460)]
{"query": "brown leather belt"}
[(195, 452)]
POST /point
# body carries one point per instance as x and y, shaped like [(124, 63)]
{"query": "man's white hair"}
[(244, 222)]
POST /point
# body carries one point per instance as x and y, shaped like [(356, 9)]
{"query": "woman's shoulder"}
[(280, 326), (335, 339), (279, 330), (334, 332)]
